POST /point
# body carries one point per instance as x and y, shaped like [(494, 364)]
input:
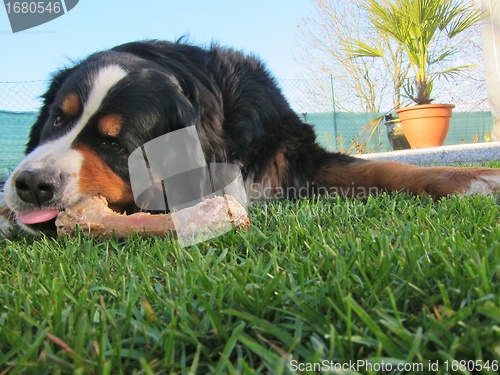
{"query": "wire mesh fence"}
[(314, 99), (21, 96), (19, 102)]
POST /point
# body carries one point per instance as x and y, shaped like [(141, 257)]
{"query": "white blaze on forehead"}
[(106, 78), (104, 81)]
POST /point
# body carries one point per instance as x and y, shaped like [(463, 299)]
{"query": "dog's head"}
[(95, 114)]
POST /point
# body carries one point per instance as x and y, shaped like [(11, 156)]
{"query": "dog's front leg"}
[(363, 178)]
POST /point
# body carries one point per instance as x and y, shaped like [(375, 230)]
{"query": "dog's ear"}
[(48, 98), (162, 102)]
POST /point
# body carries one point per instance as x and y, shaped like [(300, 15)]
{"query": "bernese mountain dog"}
[(98, 111)]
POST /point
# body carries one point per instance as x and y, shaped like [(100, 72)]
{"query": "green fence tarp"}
[(335, 131)]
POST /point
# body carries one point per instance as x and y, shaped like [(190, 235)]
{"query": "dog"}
[(98, 111)]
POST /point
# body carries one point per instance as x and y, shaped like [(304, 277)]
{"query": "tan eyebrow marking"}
[(71, 105), (110, 125)]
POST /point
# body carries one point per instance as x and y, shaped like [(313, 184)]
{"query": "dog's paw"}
[(7, 224), (6, 228), (484, 182), (7, 220)]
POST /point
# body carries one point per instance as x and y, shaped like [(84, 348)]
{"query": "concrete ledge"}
[(465, 153)]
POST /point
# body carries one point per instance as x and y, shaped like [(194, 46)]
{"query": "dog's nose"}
[(35, 187)]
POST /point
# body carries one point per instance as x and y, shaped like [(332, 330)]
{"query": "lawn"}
[(391, 283)]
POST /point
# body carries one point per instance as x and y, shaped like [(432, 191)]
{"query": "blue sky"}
[(265, 28)]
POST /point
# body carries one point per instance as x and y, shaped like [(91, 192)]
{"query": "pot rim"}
[(425, 106)]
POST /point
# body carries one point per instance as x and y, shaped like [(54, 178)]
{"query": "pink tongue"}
[(37, 216)]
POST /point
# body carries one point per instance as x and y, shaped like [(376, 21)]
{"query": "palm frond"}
[(416, 25), (362, 49), (453, 72)]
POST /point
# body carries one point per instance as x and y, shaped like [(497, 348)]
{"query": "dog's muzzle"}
[(38, 191)]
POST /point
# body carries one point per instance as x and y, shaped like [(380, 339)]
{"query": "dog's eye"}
[(58, 120), (112, 144)]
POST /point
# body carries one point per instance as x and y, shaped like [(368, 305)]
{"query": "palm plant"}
[(419, 27)]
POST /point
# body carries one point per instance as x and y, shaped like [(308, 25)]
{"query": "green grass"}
[(393, 279)]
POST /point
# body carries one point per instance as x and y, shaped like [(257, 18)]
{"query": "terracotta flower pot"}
[(426, 125)]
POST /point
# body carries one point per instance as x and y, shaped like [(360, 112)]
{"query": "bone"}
[(95, 218)]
